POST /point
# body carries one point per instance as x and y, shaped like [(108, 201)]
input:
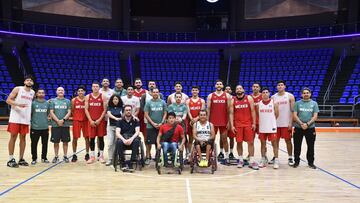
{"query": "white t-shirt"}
[(284, 109), (107, 94), (203, 131), (22, 115), (183, 98), (267, 119), (133, 101)]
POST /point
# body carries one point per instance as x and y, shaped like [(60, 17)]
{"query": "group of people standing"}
[(121, 114)]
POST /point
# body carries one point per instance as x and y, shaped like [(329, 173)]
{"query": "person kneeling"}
[(169, 135), (127, 132), (204, 135)]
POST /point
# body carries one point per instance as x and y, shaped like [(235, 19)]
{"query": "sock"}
[(222, 150), (11, 157), (92, 153), (231, 150), (251, 159), (277, 159), (226, 155), (101, 153), (240, 158), (291, 157)]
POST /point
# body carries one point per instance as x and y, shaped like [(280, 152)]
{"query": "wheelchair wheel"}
[(142, 154), (181, 159), (158, 161)]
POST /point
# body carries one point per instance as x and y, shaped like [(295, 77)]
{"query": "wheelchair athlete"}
[(168, 138), (204, 136)]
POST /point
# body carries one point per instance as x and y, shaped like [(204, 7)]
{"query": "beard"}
[(29, 86), (240, 94)]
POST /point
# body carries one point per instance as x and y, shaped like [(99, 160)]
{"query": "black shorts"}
[(151, 135), (209, 142), (60, 133)]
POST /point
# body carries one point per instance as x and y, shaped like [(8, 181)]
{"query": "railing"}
[(333, 78), (332, 110), (7, 26)]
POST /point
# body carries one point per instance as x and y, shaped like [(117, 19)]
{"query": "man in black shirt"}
[(127, 132)]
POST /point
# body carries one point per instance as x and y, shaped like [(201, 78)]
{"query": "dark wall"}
[(168, 24)]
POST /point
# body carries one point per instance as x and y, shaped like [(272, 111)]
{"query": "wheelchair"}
[(194, 163), (140, 157), (178, 162)]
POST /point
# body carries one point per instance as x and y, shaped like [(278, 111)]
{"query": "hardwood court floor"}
[(337, 180)]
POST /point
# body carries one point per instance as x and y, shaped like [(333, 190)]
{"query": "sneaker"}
[(206, 163), (12, 164), (55, 160), (101, 159), (254, 165), (22, 162), (124, 167), (46, 161), (74, 158), (66, 159), (272, 161), (87, 157), (263, 163), (147, 161), (91, 160), (266, 159), (231, 156), (312, 166), (291, 161), (33, 162), (295, 165), (276, 164), (240, 163), (109, 162), (246, 162), (131, 167), (221, 155)]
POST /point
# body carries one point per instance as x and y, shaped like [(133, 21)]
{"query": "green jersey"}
[(156, 110), (60, 107), (305, 111), (39, 115)]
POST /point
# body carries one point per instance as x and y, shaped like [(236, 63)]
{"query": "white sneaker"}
[(240, 163), (109, 162), (276, 164), (263, 163)]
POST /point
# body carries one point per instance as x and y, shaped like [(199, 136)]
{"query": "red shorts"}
[(98, 131), (245, 134), (80, 126), (222, 129), (16, 128), (284, 133), (269, 136), (142, 124)]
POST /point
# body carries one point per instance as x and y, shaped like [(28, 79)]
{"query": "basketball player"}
[(80, 122), (95, 110), (105, 89), (268, 112), (180, 111), (60, 111), (20, 100), (155, 114), (204, 136), (286, 102), (119, 88), (218, 104), (194, 105), (178, 89), (230, 134), (132, 100), (39, 126), (139, 92), (243, 124)]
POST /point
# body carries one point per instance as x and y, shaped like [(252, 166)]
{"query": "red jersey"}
[(139, 94), (79, 110), (219, 109), (195, 107), (96, 106), (178, 132), (242, 112), (256, 102)]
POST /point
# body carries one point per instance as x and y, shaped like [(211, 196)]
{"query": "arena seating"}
[(352, 88), (298, 68), (190, 68), (6, 82), (72, 67)]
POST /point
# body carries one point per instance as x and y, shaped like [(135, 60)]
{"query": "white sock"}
[(101, 153), (92, 153), (231, 150), (226, 155), (11, 157), (277, 159), (291, 157), (221, 150), (240, 158), (251, 159)]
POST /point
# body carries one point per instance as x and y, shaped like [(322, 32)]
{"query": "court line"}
[(188, 190), (34, 176), (326, 171)]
